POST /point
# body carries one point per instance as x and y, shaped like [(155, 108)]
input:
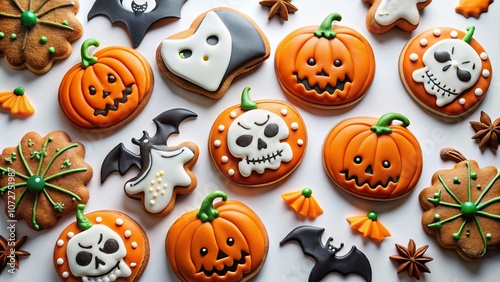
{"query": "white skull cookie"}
[(257, 143), (446, 71), (101, 246)]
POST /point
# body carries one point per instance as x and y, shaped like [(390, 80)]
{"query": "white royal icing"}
[(171, 163), (145, 6), (391, 10), (207, 64)]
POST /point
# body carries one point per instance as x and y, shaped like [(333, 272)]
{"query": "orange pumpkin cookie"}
[(473, 8), (45, 177), (101, 246), (326, 66), (462, 207), (35, 33), (257, 143), (446, 71), (384, 15), (225, 241), (106, 90), (372, 158)]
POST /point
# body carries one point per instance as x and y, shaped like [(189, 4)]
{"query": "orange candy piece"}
[(16, 102), (303, 203), (369, 226)]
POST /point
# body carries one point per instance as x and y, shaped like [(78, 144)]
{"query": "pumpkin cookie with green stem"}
[(43, 178), (35, 33)]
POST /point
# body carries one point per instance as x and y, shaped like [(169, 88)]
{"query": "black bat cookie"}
[(137, 15), (309, 238)]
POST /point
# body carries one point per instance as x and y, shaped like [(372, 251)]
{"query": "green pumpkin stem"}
[(382, 126), (87, 60), (19, 91), (82, 221), (246, 102), (470, 33), (325, 29), (207, 212)]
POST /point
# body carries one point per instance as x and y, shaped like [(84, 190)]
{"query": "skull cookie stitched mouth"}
[(329, 88), (111, 275), (437, 84), (226, 269), (359, 184), (265, 159), (114, 107)]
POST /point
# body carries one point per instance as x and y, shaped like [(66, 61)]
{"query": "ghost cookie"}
[(462, 207), (220, 44), (35, 33), (257, 143), (446, 71), (384, 15), (103, 245), (164, 171)]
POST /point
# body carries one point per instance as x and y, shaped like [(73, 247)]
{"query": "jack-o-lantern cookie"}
[(372, 158), (221, 44), (225, 241), (462, 207), (257, 143), (326, 66), (446, 71), (384, 15), (47, 177), (101, 246), (106, 90)]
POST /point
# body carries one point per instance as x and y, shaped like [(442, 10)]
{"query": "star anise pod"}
[(411, 260), (279, 7), (5, 251), (487, 132)]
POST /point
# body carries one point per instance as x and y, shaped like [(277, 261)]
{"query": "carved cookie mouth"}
[(226, 269), (359, 184), (330, 89), (431, 80), (265, 159), (114, 107), (111, 275)]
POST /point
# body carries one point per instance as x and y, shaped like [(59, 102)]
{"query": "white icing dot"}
[(232, 114), (484, 56), (160, 180), (462, 101), (153, 182), (413, 57), (150, 189), (60, 261), (436, 32), (221, 127), (98, 219), (71, 234), (478, 91), (224, 159), (423, 42), (119, 221), (294, 126), (60, 243), (284, 112), (454, 34), (161, 173), (300, 142), (158, 189), (486, 73), (128, 233), (217, 143), (134, 245), (65, 274), (152, 202), (133, 264), (230, 172), (165, 186), (162, 192), (155, 195)]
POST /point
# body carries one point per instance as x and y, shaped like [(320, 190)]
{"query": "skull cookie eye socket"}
[(212, 40), (110, 246), (244, 140), (357, 160), (186, 53), (271, 130), (463, 75), (311, 62), (83, 258), (442, 56)]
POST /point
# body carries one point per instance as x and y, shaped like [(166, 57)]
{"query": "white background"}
[(287, 263)]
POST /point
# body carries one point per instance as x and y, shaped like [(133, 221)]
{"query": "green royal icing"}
[(207, 212), (307, 192), (52, 50), (43, 40), (13, 36), (2, 35)]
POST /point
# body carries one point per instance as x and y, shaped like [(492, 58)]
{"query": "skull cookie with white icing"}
[(101, 246), (446, 71), (257, 143)]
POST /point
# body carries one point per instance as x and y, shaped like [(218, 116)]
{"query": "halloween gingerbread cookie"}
[(225, 241), (106, 90), (45, 177), (35, 33), (473, 8), (221, 44), (103, 245), (462, 207), (257, 143), (384, 15), (326, 66), (164, 171), (446, 71), (373, 158)]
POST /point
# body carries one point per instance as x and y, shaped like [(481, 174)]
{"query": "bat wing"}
[(119, 159), (309, 239), (167, 123), (354, 262), (137, 24)]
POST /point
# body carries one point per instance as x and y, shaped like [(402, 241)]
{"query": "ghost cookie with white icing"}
[(221, 44), (384, 15), (257, 143), (446, 71), (103, 245)]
